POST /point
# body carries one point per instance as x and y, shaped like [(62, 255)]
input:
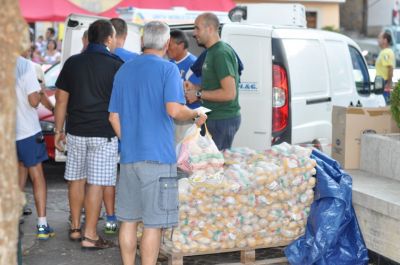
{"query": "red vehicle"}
[(46, 117)]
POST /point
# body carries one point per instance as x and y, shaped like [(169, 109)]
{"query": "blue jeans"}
[(223, 131), (386, 94)]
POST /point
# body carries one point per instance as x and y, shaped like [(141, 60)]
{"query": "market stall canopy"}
[(58, 10)]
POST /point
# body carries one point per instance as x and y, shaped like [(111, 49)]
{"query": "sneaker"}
[(110, 227), (44, 232)]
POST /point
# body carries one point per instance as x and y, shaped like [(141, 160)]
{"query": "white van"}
[(292, 75), (77, 24)]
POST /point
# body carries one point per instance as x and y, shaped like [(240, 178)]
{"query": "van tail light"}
[(280, 99)]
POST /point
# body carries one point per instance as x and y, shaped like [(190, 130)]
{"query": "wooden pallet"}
[(247, 256)]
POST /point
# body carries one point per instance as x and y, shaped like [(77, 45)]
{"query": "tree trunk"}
[(13, 39)]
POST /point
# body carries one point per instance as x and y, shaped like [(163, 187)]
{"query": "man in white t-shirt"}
[(31, 149)]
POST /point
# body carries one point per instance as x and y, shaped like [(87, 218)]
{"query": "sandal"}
[(75, 230), (98, 244)]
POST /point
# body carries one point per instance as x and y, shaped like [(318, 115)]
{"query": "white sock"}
[(42, 221)]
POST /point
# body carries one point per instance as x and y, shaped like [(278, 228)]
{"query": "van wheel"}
[(317, 144)]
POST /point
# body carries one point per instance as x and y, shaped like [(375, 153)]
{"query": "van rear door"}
[(75, 26), (253, 45), (309, 78)]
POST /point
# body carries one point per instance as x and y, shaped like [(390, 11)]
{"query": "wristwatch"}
[(198, 95)]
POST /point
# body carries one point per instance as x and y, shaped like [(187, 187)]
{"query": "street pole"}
[(364, 18)]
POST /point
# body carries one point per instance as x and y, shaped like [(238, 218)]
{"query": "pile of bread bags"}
[(261, 199)]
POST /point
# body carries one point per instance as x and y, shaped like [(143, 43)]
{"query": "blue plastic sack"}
[(332, 235)]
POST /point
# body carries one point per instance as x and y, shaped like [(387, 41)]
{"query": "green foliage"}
[(395, 104), (330, 28)]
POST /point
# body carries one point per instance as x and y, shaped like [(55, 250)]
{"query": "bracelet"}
[(58, 132)]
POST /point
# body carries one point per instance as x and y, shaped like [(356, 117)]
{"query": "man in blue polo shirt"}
[(147, 95), (178, 53)]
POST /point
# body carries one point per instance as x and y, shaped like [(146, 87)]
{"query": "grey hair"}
[(155, 35)]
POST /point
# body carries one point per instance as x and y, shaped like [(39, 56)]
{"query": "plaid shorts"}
[(94, 158)]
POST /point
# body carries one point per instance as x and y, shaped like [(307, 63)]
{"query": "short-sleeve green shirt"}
[(220, 62)]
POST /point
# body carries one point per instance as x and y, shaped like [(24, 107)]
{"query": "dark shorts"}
[(32, 150), (148, 191), (223, 131)]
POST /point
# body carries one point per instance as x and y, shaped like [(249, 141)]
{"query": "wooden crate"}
[(247, 255)]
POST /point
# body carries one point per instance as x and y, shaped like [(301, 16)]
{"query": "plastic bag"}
[(262, 201), (199, 154), (333, 235)]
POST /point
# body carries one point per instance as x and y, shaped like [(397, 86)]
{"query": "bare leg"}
[(39, 188), (109, 199), (22, 175), (128, 242), (93, 200), (150, 245), (76, 196)]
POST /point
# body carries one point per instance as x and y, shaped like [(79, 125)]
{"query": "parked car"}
[(46, 117)]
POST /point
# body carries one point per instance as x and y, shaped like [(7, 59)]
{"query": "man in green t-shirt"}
[(219, 82)]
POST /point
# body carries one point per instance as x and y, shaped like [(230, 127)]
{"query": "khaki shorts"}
[(148, 191)]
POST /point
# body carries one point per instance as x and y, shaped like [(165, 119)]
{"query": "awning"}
[(58, 10)]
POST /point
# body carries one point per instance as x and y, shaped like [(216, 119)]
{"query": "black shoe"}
[(27, 211)]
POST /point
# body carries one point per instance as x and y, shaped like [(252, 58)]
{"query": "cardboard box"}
[(347, 126)]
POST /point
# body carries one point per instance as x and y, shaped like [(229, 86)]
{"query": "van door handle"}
[(318, 100)]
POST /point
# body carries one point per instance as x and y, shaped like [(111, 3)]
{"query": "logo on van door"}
[(248, 87)]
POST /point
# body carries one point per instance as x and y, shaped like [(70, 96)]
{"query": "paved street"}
[(60, 251)]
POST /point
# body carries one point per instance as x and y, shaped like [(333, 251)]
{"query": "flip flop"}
[(75, 239), (98, 244)]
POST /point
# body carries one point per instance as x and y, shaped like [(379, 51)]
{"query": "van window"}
[(360, 72)]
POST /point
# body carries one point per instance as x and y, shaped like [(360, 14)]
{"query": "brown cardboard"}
[(347, 126)]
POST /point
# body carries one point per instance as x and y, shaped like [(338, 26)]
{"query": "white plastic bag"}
[(198, 155)]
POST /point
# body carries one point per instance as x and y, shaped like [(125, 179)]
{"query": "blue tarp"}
[(332, 235)]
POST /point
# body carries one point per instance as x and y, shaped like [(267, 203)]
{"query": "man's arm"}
[(388, 85), (44, 99), (34, 99), (227, 92), (115, 123), (59, 116), (182, 113)]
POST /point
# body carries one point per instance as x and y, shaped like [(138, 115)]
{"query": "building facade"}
[(319, 14)]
